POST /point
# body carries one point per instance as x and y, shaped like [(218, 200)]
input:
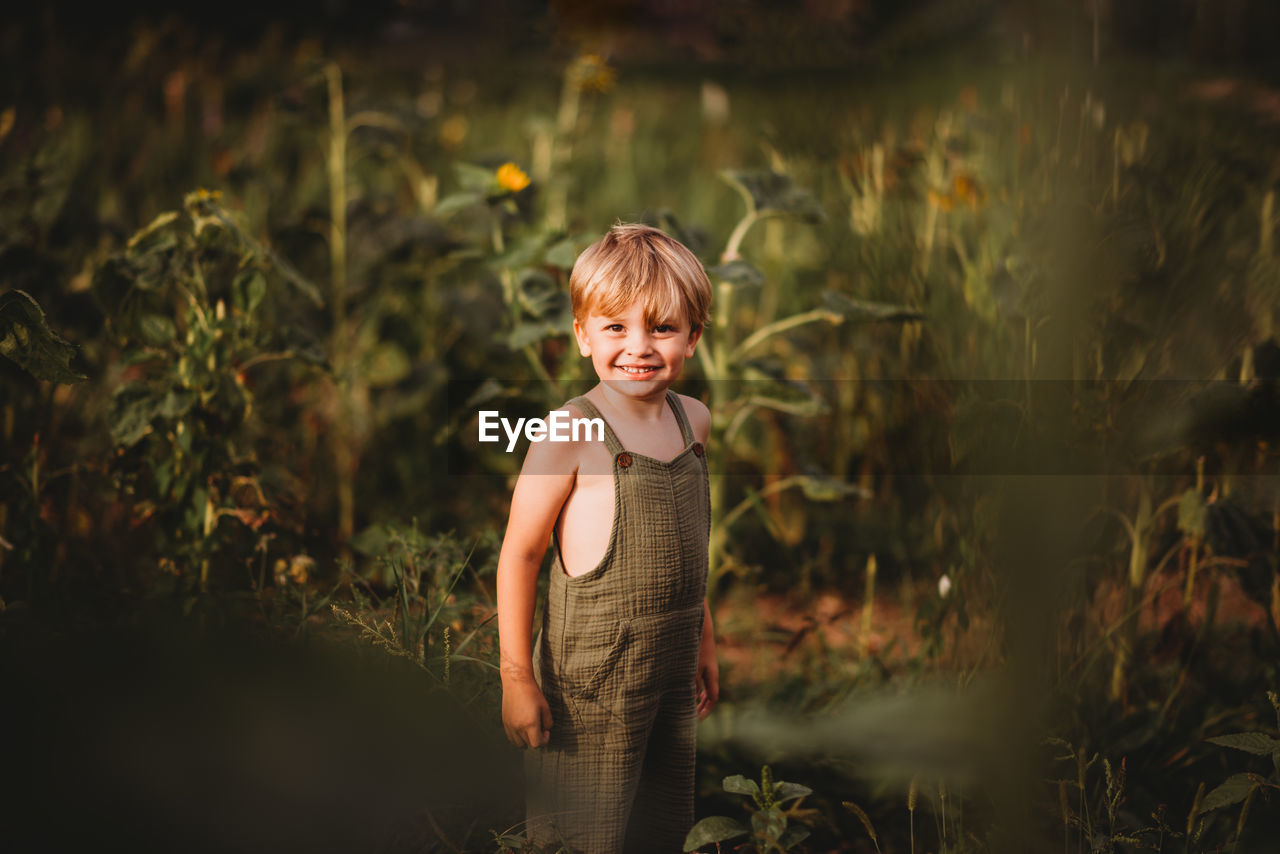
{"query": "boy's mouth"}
[(637, 370)]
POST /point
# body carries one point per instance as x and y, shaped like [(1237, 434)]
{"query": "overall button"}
[(698, 449), (624, 460)]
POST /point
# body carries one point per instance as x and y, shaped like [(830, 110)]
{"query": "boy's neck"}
[(649, 407)]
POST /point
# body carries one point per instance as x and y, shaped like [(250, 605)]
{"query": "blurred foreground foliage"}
[(1003, 345)]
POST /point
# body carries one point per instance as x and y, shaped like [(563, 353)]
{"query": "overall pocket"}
[(589, 658)]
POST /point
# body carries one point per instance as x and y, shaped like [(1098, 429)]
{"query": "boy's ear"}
[(694, 335), (584, 346)]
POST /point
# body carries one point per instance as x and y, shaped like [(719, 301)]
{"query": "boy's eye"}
[(664, 327), (614, 327)]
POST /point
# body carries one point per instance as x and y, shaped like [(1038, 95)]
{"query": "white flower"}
[(944, 586)]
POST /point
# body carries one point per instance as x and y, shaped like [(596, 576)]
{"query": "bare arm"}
[(707, 682), (545, 482), (699, 418)]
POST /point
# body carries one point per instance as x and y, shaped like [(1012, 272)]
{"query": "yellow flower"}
[(591, 73), (946, 202), (967, 189), (512, 178), (300, 567)]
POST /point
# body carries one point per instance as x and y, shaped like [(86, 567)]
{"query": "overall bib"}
[(616, 658)]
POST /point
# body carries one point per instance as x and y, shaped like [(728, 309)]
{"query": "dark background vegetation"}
[(996, 543)]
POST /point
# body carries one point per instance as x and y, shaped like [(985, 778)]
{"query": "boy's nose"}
[(638, 342)]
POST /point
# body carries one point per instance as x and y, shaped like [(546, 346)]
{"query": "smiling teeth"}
[(636, 370)]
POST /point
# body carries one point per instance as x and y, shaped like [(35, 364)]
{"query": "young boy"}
[(624, 665)]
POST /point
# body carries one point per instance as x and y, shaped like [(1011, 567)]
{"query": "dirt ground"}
[(764, 637)]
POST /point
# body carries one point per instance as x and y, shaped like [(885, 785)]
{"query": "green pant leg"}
[(662, 813), (583, 782)]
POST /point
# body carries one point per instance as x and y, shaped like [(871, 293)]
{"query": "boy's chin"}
[(641, 386)]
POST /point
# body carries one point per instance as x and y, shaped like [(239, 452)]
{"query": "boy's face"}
[(632, 356)]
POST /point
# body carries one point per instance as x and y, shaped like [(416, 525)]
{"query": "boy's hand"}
[(525, 713), (708, 679)]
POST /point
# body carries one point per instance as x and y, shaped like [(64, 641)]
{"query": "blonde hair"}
[(638, 263)]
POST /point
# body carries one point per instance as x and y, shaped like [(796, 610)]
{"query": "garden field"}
[(993, 369)]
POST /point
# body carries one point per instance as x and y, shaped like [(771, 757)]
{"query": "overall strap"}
[(686, 432), (610, 438)]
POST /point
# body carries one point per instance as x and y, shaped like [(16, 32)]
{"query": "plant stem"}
[(745, 504), (337, 164), (868, 606), (554, 394), (718, 376), (562, 151), (210, 522), (735, 239), (1136, 580), (344, 454), (778, 326), (1096, 39)]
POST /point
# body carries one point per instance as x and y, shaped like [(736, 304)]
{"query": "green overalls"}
[(616, 658)]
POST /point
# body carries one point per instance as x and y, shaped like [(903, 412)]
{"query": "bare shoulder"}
[(699, 417), (546, 480), (561, 458)]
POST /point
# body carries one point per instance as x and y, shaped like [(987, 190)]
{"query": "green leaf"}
[(711, 830), (1191, 515), (793, 835), (854, 309), (534, 288), (457, 202), (1232, 791), (164, 478), (773, 389), (769, 823), (26, 338), (156, 329), (551, 309), (372, 540), (249, 288), (521, 253), (387, 365), (132, 409), (151, 256), (564, 253), (783, 792), (740, 785), (176, 403), (146, 237), (557, 314), (488, 390), (805, 408), (477, 179), (1257, 743), (768, 193), (738, 273), (194, 517), (821, 488), (527, 333)]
